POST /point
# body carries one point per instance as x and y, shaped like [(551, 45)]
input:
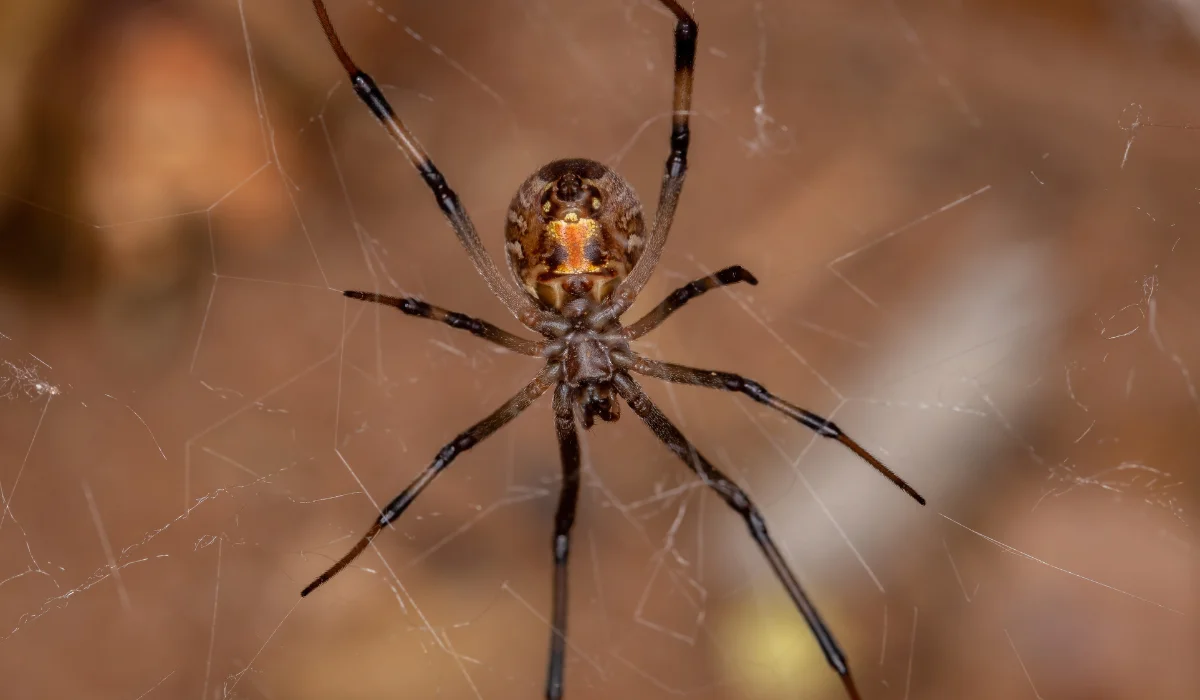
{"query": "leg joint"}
[(748, 387), (681, 136), (369, 93), (823, 426), (686, 31), (681, 296), (462, 443), (562, 547), (740, 502), (446, 198), (755, 390), (415, 307), (676, 163), (755, 521), (464, 322)]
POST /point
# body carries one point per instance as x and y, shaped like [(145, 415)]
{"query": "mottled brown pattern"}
[(547, 201)]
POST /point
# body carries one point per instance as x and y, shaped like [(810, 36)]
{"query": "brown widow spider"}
[(576, 244)]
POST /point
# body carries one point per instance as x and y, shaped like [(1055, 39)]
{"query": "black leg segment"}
[(686, 31), (517, 302), (689, 291), (727, 381), (564, 518), (737, 499), (476, 327), (465, 441)]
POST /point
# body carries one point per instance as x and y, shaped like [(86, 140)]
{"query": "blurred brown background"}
[(975, 226)]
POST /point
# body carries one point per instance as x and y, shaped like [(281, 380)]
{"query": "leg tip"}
[(851, 689), (736, 273), (910, 491)]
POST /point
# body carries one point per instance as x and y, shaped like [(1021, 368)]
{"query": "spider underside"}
[(580, 253)]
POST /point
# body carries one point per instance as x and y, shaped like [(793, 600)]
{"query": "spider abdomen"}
[(574, 231)]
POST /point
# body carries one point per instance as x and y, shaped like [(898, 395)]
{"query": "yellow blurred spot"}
[(769, 651)]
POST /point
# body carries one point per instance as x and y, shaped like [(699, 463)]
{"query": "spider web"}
[(973, 228)]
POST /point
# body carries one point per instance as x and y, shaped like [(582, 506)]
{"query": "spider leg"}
[(476, 327), (727, 381), (465, 441), (564, 518), (517, 301), (730, 275), (737, 499), (686, 30)]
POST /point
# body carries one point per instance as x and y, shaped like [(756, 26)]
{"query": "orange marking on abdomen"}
[(574, 238)]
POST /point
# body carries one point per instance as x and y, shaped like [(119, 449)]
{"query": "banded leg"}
[(737, 499), (564, 518), (517, 301), (686, 30), (730, 275), (727, 381), (476, 327), (465, 441)]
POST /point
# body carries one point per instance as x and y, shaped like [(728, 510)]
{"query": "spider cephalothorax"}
[(580, 253), (574, 231), (589, 360)]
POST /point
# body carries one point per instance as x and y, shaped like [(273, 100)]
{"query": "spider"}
[(579, 253)]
